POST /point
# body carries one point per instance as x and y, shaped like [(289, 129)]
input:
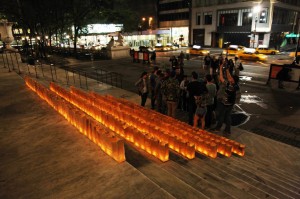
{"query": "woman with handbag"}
[(143, 87)]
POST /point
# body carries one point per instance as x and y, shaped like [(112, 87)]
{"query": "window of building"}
[(247, 18), (173, 5), (198, 18), (263, 15), (174, 16), (228, 17), (207, 18), (284, 16)]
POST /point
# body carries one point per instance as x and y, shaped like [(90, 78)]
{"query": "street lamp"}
[(68, 37), (150, 22), (256, 10)]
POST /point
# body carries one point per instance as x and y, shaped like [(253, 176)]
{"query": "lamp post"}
[(68, 37), (256, 10)]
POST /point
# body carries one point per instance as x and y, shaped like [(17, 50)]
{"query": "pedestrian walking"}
[(143, 87)]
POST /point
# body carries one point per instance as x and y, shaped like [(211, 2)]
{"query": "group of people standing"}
[(207, 100)]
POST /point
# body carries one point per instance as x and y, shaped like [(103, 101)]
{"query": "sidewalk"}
[(43, 156)]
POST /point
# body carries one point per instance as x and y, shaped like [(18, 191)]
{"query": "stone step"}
[(270, 173), (228, 180), (264, 166), (272, 185), (194, 179), (152, 169)]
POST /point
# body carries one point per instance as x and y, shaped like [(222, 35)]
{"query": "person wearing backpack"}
[(170, 90)]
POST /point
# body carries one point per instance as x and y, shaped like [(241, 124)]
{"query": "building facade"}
[(248, 22), (174, 15)]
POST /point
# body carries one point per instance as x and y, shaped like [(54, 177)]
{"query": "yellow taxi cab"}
[(250, 54), (265, 50), (292, 54), (233, 50), (197, 50)]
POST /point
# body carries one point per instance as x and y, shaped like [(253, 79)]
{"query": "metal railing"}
[(38, 68)]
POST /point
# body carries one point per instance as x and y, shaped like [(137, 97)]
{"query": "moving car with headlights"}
[(197, 50), (233, 49), (249, 54), (171, 46), (160, 47), (265, 50)]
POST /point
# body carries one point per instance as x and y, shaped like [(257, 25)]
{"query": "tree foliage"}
[(56, 17)]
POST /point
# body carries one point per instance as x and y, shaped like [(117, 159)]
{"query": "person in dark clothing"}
[(207, 63), (214, 70), (153, 57), (183, 93), (283, 75), (143, 87), (194, 88), (227, 98), (153, 77)]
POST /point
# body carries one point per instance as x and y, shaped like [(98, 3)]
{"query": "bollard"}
[(35, 71), (18, 63), (51, 72), (7, 63), (55, 71), (73, 77), (86, 81), (41, 65), (67, 77), (12, 62), (3, 60), (79, 79)]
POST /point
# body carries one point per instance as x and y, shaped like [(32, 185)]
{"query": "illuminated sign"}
[(292, 35), (104, 28)]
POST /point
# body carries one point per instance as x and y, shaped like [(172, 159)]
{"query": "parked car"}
[(233, 49), (250, 54), (265, 50), (197, 50)]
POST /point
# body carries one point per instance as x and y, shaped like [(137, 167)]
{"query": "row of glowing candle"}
[(105, 138), (180, 137), (140, 139), (205, 142)]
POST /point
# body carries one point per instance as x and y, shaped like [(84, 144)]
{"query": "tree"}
[(56, 17)]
